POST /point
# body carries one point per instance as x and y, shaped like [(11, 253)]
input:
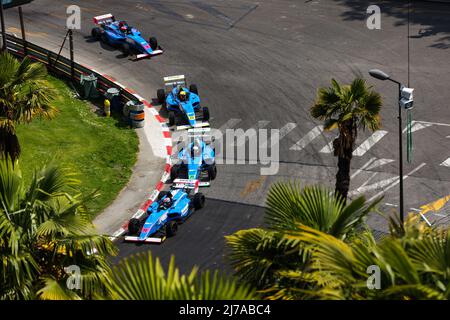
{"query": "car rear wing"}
[(173, 81), (186, 184), (147, 240), (104, 19)]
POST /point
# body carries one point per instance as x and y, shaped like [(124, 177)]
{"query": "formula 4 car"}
[(182, 103), (120, 34), (163, 216), (196, 160)]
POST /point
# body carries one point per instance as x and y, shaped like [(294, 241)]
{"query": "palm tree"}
[(413, 266), (140, 277), (25, 94), (347, 108), (267, 258), (45, 227)]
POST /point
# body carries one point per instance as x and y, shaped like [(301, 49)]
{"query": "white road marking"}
[(398, 181), (284, 131), (310, 136), (328, 148), (422, 215), (362, 168), (446, 163), (260, 125), (369, 143), (379, 163)]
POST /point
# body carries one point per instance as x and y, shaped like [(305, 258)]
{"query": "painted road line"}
[(369, 143), (421, 214), (253, 131), (310, 136), (397, 181), (446, 163), (284, 131), (328, 148), (379, 163), (362, 168)]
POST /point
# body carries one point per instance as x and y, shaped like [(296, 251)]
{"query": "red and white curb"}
[(168, 145)]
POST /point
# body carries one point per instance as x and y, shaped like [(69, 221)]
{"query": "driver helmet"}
[(182, 95), (123, 26), (167, 202)]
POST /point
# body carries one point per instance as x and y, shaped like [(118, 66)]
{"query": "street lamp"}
[(380, 75)]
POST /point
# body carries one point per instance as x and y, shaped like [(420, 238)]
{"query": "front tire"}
[(205, 114), (171, 228), (199, 201), (161, 95), (171, 118), (174, 172), (96, 33), (153, 43), (134, 226), (125, 47), (193, 89)]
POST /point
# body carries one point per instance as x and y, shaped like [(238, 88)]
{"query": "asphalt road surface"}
[(258, 64)]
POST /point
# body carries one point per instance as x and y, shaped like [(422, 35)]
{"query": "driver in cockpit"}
[(166, 203)]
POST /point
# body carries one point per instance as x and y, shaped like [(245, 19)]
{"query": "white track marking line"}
[(446, 163), (260, 125), (310, 136), (328, 148), (284, 131), (362, 168), (422, 215), (369, 143), (398, 181), (379, 163)]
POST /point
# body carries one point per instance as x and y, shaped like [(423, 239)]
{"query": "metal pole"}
[(72, 62), (2, 18), (400, 150), (22, 28)]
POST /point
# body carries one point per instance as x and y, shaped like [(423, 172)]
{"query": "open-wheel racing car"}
[(196, 160), (171, 208), (128, 39), (183, 104)]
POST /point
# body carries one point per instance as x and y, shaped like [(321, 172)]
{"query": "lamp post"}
[(380, 75)]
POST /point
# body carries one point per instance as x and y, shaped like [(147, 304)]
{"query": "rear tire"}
[(193, 89), (205, 114), (153, 43), (161, 95), (199, 201), (171, 118), (104, 39), (96, 33), (134, 226), (171, 228), (212, 172), (174, 172)]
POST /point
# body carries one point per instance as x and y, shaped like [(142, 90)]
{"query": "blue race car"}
[(163, 216), (196, 158), (120, 34), (183, 104)]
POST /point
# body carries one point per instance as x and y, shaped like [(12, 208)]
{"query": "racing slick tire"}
[(199, 201), (205, 114), (104, 39), (174, 172), (193, 89), (162, 194), (212, 172), (134, 226), (171, 118), (153, 43), (171, 228), (96, 33), (126, 50), (161, 95)]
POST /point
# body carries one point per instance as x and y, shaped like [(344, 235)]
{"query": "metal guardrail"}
[(60, 65)]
